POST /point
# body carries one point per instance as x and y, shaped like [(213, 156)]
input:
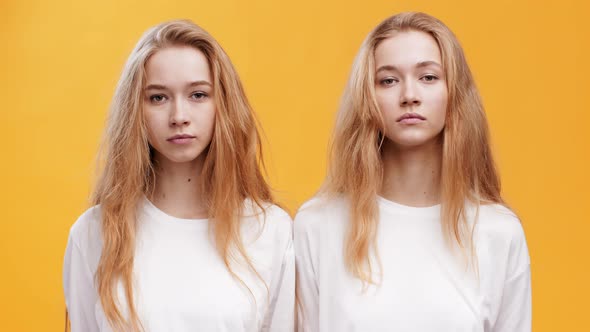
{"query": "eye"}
[(199, 95), (388, 81), (429, 78), (157, 98)]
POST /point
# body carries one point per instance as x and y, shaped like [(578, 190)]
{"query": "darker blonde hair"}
[(231, 172)]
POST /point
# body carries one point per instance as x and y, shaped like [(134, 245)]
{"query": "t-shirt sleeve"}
[(515, 312), (307, 285), (281, 311), (80, 293)]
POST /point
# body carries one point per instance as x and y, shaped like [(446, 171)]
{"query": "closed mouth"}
[(410, 116), (181, 136)]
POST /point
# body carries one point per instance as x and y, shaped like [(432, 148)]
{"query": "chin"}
[(413, 141), (182, 158)]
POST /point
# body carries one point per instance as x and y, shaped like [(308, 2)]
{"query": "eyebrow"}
[(163, 87), (418, 65), (428, 63)]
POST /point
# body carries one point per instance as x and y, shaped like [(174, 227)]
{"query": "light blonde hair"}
[(231, 172), (355, 165)]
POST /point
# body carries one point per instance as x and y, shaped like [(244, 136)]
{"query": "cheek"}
[(154, 123), (386, 100), (149, 124), (211, 116), (437, 100), (211, 120), (206, 121)]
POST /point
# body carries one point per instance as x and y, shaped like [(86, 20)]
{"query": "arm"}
[(281, 311), (307, 285), (515, 312), (79, 291)]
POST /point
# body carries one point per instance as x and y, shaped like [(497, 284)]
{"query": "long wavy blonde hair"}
[(355, 166), (231, 172)]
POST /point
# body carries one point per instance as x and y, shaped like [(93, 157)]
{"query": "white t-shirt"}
[(424, 287), (181, 283)]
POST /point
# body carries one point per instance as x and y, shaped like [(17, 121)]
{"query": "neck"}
[(411, 175), (178, 190)]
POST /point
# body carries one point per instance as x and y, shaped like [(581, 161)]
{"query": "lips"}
[(411, 118), (181, 139), (181, 136)]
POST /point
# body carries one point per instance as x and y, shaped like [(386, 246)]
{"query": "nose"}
[(179, 114), (409, 95)]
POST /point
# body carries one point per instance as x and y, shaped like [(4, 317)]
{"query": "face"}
[(410, 88), (178, 104)]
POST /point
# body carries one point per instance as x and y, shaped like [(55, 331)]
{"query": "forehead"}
[(177, 64), (407, 48)]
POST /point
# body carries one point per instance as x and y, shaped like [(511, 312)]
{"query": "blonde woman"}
[(409, 232), (184, 235)]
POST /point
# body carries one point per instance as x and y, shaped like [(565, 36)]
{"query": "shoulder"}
[(501, 229), (85, 236), (276, 217), (87, 226), (318, 211), (499, 221), (271, 213), (274, 220)]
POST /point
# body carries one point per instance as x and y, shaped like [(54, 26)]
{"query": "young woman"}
[(184, 235), (410, 232)]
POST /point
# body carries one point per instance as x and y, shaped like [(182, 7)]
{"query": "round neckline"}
[(164, 218), (432, 211)]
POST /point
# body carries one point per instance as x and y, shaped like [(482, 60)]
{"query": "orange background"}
[(60, 61)]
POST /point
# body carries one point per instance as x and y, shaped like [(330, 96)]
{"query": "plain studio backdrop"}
[(60, 61)]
